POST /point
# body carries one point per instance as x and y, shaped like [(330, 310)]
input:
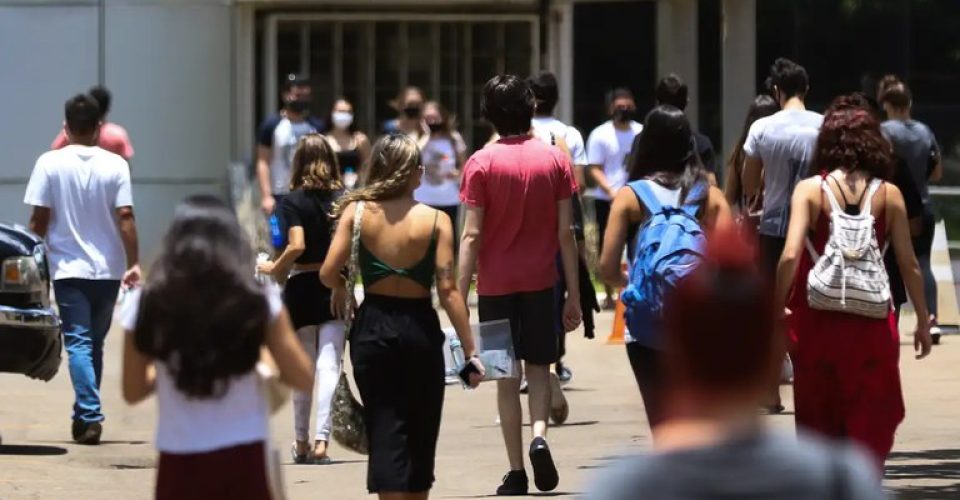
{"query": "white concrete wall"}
[(169, 64), (47, 54)]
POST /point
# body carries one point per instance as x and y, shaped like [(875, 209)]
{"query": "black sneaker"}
[(563, 372), (86, 432), (515, 483), (544, 471)]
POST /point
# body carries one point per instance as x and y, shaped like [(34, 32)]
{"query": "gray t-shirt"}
[(767, 465), (785, 142), (914, 143)]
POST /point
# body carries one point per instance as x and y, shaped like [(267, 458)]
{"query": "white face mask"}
[(342, 119)]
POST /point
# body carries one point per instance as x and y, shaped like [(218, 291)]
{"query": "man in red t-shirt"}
[(517, 193), (111, 136)]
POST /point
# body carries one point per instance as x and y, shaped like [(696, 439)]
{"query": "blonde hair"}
[(394, 160), (315, 165)]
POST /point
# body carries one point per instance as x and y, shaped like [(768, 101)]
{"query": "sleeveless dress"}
[(846, 367)]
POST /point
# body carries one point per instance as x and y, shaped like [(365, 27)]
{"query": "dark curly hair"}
[(202, 311), (850, 139)]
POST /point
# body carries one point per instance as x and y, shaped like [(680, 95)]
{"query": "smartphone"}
[(466, 371)]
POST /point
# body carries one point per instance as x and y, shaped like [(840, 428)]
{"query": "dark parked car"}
[(30, 338)]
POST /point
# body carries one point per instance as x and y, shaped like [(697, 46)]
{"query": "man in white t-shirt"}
[(607, 149), (779, 149), (550, 130), (83, 207)]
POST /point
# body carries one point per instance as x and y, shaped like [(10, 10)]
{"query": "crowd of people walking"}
[(789, 258)]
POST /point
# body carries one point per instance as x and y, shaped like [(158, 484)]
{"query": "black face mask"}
[(412, 111), (435, 127), (622, 115), (299, 106)]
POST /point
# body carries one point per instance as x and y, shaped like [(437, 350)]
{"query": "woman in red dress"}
[(846, 366)]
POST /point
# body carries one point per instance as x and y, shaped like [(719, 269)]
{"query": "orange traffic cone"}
[(619, 322), (619, 325)]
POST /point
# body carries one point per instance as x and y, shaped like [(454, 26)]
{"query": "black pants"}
[(601, 210), (646, 363), (396, 347), (771, 248)]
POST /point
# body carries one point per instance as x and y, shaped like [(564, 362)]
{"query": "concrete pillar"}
[(677, 50), (560, 55), (739, 54)]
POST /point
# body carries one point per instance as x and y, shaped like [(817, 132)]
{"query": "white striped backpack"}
[(850, 276)]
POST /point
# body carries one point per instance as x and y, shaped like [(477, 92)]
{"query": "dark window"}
[(621, 54)]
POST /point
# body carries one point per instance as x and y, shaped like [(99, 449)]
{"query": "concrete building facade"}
[(191, 78)]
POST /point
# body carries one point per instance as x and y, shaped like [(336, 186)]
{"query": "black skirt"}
[(396, 347), (307, 300)]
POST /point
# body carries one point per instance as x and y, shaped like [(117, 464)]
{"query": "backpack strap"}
[(691, 205), (834, 206), (832, 198), (646, 196), (869, 194)]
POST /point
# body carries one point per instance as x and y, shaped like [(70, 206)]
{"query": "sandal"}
[(297, 457), (322, 459)]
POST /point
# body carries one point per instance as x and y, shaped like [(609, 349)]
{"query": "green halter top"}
[(372, 269)]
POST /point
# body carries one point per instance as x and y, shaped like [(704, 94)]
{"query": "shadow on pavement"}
[(942, 465), (31, 450), (102, 443), (532, 494), (579, 423)]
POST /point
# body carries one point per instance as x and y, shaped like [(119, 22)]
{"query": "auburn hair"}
[(850, 140)]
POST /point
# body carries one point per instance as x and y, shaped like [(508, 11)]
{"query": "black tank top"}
[(349, 158)]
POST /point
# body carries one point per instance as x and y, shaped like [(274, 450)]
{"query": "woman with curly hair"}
[(396, 345), (316, 311), (846, 373), (194, 335)]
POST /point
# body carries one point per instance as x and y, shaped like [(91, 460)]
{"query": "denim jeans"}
[(86, 309)]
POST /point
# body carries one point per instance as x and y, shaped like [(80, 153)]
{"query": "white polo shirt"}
[(82, 186)]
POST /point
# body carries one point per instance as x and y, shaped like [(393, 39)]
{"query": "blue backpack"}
[(669, 247)]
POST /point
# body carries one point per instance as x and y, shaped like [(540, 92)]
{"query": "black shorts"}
[(307, 300), (531, 316)]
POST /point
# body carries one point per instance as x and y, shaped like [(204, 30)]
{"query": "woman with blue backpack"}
[(664, 213)]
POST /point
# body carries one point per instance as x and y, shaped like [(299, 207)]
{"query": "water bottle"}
[(263, 278), (459, 360), (276, 236), (349, 177)]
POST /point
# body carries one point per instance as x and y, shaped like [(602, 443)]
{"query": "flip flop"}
[(297, 458)]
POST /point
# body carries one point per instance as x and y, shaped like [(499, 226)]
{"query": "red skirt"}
[(235, 473), (846, 373)]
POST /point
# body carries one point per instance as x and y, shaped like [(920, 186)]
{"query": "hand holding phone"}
[(472, 372)]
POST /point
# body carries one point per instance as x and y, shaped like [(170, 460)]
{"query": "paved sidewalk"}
[(606, 420)]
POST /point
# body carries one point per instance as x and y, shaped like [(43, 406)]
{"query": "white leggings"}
[(325, 344)]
